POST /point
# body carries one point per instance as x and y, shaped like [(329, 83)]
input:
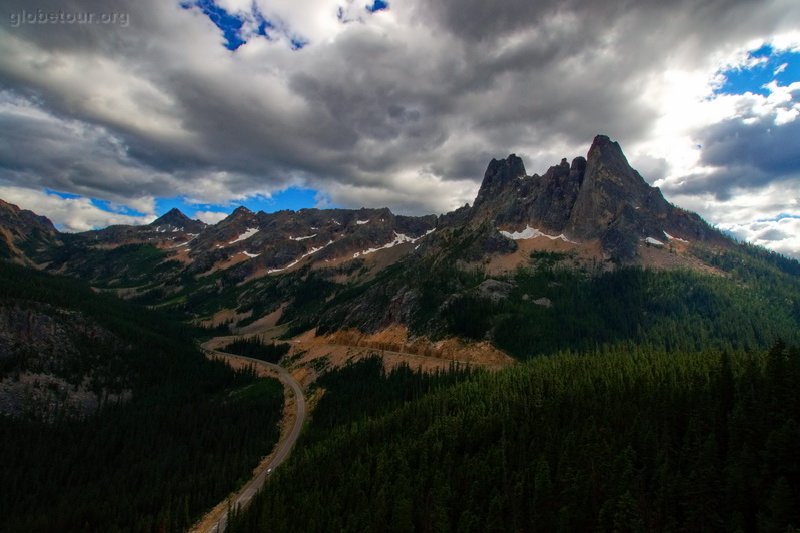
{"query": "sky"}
[(114, 112)]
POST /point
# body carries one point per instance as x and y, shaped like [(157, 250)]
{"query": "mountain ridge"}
[(599, 197), (23, 232), (370, 269)]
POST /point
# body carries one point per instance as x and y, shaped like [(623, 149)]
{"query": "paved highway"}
[(245, 495)]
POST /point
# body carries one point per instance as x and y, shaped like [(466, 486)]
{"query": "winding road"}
[(284, 446)]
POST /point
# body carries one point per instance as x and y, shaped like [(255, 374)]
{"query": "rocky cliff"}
[(599, 197)]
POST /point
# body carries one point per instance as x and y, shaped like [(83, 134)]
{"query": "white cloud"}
[(210, 217), (69, 214), (728, 156), (782, 235)]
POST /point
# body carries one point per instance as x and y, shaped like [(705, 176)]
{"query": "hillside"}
[(613, 441), (104, 410), (23, 233)]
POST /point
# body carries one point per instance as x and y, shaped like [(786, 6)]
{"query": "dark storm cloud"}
[(769, 148), (745, 155), (405, 114)]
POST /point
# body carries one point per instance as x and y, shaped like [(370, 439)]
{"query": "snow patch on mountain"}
[(313, 250), (399, 238), (169, 228), (532, 233), (671, 238), (249, 232)]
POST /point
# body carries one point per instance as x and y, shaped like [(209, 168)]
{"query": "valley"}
[(569, 352), (294, 414)]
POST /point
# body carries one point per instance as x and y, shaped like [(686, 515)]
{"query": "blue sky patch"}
[(779, 217), (64, 195), (783, 67), (298, 43), (292, 198), (104, 205), (230, 25), (111, 207), (378, 5), (165, 204)]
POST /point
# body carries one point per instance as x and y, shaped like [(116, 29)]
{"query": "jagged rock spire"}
[(499, 175), (598, 197)]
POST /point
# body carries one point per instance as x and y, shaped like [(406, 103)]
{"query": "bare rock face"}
[(600, 197), (49, 363), (494, 290), (500, 175), (615, 204)]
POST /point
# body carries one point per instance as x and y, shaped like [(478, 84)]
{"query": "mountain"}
[(599, 199), (24, 233), (588, 245), (597, 206), (174, 220), (170, 228), (259, 244)]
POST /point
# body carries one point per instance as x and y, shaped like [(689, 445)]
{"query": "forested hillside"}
[(613, 441), (179, 436), (556, 303)]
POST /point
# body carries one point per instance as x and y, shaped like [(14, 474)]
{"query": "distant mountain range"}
[(597, 205), (370, 269)]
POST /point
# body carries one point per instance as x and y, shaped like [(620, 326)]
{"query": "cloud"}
[(747, 166), (68, 214), (403, 107), (781, 235), (210, 217)]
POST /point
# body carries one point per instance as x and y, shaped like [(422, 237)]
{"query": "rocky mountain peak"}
[(616, 205), (174, 216), (602, 143), (578, 166), (499, 175), (177, 220), (606, 161), (23, 232), (240, 215), (597, 197), (23, 219)]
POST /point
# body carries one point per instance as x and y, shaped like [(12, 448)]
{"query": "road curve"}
[(246, 494)]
